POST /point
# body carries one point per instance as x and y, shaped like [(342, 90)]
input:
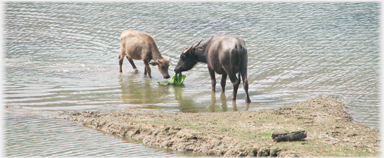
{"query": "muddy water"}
[(63, 56)]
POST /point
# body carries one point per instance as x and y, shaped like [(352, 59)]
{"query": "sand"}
[(330, 130)]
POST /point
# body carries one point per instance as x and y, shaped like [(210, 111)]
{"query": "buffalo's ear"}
[(154, 63), (192, 51)]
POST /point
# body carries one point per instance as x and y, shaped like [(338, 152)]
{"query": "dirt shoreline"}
[(330, 130)]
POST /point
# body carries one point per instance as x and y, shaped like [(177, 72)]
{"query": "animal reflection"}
[(139, 92), (187, 103), (224, 105)]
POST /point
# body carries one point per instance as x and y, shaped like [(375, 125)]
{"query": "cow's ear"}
[(154, 63)]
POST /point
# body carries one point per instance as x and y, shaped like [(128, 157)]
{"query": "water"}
[(64, 56), (36, 136)]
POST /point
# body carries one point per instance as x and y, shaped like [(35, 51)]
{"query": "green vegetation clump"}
[(177, 80)]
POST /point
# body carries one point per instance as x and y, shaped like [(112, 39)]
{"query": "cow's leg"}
[(223, 82), (147, 69), (213, 79), (132, 63), (121, 58)]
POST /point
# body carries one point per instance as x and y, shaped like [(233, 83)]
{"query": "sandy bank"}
[(330, 130)]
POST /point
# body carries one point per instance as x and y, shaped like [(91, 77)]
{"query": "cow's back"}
[(137, 45)]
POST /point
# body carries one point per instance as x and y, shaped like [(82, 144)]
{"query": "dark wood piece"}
[(289, 136)]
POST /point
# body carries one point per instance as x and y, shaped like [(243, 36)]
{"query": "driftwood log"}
[(289, 136)]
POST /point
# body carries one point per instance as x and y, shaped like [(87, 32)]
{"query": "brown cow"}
[(226, 55), (138, 45)]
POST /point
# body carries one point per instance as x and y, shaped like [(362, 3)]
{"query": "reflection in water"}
[(224, 105), (223, 99), (185, 105), (196, 103), (234, 105), (179, 92), (139, 91), (213, 103)]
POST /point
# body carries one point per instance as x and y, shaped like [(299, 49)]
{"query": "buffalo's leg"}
[(238, 78), (232, 76), (235, 85), (223, 82), (245, 84), (213, 79)]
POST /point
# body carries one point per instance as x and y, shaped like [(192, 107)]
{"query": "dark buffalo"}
[(225, 55)]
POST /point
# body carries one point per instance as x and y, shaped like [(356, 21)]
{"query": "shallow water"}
[(37, 136), (64, 56)]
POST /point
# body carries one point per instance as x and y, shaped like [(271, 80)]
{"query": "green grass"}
[(196, 127), (247, 134), (177, 79)]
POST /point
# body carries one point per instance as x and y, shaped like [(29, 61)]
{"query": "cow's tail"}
[(122, 53)]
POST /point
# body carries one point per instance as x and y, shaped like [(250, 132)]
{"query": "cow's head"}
[(163, 65), (188, 59)]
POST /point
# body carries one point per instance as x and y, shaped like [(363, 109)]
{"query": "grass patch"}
[(245, 134), (196, 127)]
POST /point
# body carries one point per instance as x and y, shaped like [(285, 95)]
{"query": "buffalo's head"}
[(163, 65), (188, 59)]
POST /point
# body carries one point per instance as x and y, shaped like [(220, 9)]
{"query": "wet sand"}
[(330, 130)]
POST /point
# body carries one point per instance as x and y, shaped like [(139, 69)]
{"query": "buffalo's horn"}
[(198, 43), (186, 49), (189, 48)]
